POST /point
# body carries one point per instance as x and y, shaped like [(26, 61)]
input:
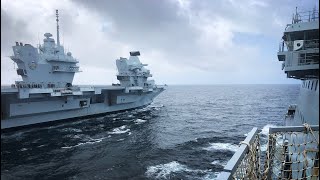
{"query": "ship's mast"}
[(58, 40)]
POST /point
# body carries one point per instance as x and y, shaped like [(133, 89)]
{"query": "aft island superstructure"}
[(292, 151), (46, 92)]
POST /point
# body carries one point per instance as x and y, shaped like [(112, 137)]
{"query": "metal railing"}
[(292, 153), (245, 163), (305, 16)]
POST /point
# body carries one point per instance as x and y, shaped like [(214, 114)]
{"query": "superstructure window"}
[(83, 103), (315, 88), (308, 84)]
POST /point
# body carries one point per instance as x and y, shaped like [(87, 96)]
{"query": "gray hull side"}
[(307, 110), (93, 109)]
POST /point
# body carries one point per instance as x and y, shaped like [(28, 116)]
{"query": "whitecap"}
[(164, 170), (119, 130), (23, 149), (70, 130), (91, 141), (222, 146), (140, 121), (265, 129), (217, 162), (211, 176)]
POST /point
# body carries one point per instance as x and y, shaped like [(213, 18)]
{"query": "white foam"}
[(91, 141), (71, 130), (217, 162), (222, 146), (120, 130), (140, 121), (265, 129), (156, 106), (164, 170), (100, 118), (211, 176), (23, 149)]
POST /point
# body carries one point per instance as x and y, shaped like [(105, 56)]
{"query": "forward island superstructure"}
[(46, 92)]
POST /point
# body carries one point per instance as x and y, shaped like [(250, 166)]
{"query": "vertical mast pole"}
[(58, 40)]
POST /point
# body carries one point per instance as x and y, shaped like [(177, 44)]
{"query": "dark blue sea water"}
[(189, 132)]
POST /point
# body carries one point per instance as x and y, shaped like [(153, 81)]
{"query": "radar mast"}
[(58, 40)]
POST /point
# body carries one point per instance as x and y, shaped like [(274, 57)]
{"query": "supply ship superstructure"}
[(293, 149), (46, 92)]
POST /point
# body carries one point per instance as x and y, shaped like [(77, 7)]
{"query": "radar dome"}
[(47, 35)]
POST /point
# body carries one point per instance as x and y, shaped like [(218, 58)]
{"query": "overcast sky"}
[(183, 41)]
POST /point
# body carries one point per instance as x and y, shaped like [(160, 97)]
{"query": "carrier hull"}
[(108, 103)]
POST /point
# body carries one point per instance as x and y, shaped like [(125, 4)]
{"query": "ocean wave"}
[(218, 162), (16, 135), (222, 146), (156, 105), (211, 176), (119, 130), (70, 130), (100, 118), (91, 141), (164, 170), (140, 121), (265, 129)]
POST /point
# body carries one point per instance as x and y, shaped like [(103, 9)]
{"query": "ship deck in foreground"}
[(293, 149)]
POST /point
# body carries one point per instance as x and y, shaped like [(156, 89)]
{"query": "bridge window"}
[(83, 103)]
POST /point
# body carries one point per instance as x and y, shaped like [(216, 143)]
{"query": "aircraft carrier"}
[(292, 150), (46, 92)]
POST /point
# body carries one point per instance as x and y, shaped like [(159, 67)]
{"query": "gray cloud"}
[(177, 40), (181, 33), (12, 30), (147, 25)]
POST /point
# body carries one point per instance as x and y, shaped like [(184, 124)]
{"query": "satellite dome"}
[(47, 35)]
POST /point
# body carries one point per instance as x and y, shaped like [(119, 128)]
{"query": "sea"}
[(188, 132)]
